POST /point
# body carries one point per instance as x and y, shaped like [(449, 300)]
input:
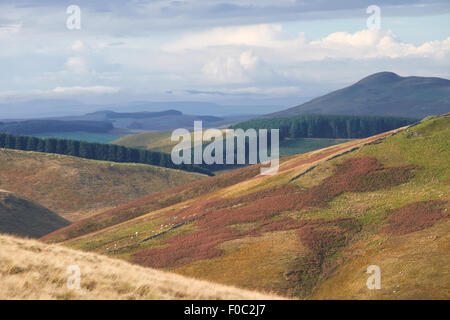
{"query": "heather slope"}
[(75, 188), (33, 270), (150, 203), (24, 217), (325, 216)]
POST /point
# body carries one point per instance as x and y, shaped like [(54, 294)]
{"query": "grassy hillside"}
[(75, 187), (150, 203), (160, 141), (292, 146), (33, 270), (23, 217), (382, 94), (154, 140), (312, 229)]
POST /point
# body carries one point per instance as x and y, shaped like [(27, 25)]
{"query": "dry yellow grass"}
[(30, 269)]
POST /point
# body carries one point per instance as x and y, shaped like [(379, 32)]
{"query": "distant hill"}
[(76, 188), (112, 122), (383, 94), (30, 269), (69, 108), (156, 121), (23, 217), (311, 230)]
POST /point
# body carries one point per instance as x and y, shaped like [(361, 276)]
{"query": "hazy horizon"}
[(253, 54)]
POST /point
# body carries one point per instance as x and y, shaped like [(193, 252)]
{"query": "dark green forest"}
[(95, 151), (55, 126), (327, 126)]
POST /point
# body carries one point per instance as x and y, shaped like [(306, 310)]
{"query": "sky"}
[(241, 53)]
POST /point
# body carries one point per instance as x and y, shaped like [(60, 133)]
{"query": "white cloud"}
[(85, 90), (43, 54), (364, 44), (373, 44), (9, 29), (261, 35), (270, 91), (233, 69), (78, 45), (60, 92), (76, 65)]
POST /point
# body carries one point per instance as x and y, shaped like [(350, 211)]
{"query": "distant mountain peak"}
[(381, 94), (380, 77)]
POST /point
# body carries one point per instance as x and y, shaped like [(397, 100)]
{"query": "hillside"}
[(327, 126), (94, 151), (75, 187), (153, 140), (33, 270), (309, 231), (160, 141), (23, 217), (382, 94)]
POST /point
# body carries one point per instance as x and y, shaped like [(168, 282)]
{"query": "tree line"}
[(327, 126), (27, 127), (95, 151)]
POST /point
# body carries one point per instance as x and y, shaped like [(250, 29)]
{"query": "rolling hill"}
[(160, 141), (382, 94), (26, 218), (32, 270), (309, 231), (155, 121), (75, 187)]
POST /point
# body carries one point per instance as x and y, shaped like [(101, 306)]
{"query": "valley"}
[(262, 232), (224, 150), (76, 188)]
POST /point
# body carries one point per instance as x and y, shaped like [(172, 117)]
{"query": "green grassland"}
[(153, 140), (283, 234), (160, 141)]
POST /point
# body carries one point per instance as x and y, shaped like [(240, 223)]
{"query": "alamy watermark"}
[(73, 22), (74, 278), (235, 153), (374, 20), (374, 281)]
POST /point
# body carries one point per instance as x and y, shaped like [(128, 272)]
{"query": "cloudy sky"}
[(254, 52)]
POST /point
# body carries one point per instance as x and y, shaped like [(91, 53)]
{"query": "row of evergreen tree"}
[(327, 126), (96, 151)]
